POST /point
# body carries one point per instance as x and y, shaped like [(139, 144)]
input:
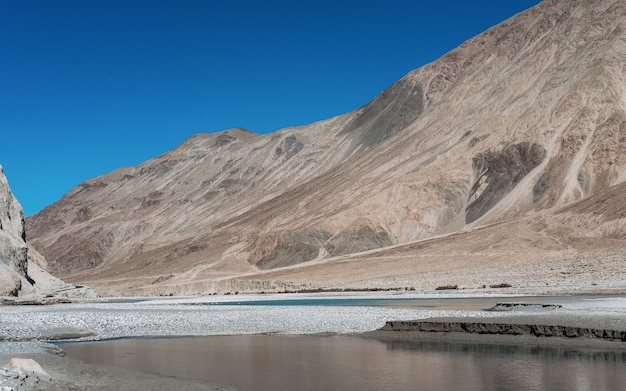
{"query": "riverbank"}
[(521, 331), (62, 374), (592, 323), (26, 330)]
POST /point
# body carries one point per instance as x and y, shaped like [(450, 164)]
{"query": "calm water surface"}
[(277, 363)]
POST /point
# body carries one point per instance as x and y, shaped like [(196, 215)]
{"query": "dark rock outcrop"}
[(358, 238), (498, 172), (287, 248), (279, 249), (388, 113), (536, 330)]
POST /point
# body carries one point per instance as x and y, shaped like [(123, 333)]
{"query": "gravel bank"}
[(25, 331)]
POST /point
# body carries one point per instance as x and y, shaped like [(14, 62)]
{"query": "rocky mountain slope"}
[(506, 155), (22, 268)]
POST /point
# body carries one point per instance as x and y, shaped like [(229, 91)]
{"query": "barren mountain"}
[(505, 160)]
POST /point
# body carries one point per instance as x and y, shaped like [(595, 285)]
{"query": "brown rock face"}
[(499, 144)]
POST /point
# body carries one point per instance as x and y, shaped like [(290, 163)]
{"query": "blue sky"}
[(90, 86)]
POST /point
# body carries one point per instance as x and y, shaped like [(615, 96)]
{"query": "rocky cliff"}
[(13, 249), (22, 273), (500, 143)]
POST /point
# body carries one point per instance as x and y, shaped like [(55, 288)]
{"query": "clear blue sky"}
[(87, 86)]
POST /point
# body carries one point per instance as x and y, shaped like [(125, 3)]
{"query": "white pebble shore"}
[(22, 327)]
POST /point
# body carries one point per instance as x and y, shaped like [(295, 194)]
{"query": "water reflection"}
[(549, 352), (262, 362), (517, 367)]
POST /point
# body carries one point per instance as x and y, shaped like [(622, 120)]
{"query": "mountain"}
[(504, 160), (22, 268)]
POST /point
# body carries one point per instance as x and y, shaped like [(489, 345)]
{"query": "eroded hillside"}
[(501, 132)]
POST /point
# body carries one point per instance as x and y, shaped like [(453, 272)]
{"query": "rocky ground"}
[(26, 372)]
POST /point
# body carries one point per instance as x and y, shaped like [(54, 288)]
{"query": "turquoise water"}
[(281, 363), (331, 301)]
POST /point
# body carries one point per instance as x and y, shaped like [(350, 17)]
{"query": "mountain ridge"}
[(521, 120)]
